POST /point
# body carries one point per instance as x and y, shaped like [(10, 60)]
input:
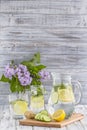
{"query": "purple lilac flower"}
[(44, 75), (9, 71), (23, 75)]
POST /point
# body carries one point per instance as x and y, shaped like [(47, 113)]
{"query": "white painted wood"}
[(83, 122), (40, 128), (72, 127), (64, 128), (8, 123), (55, 28), (24, 128)]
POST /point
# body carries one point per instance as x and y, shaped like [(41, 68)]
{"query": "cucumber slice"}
[(44, 112), (42, 117), (37, 117), (46, 118)]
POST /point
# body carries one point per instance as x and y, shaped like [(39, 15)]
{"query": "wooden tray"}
[(73, 118)]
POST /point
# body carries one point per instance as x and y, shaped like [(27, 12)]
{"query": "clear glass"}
[(62, 94), (18, 103), (37, 98)]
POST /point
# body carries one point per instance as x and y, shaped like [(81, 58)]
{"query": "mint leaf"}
[(62, 86), (39, 91)]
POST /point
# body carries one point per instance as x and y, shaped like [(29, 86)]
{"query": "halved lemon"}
[(59, 115), (20, 107)]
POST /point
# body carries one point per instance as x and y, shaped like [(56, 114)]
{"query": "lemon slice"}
[(37, 102), (54, 97), (20, 107), (59, 115), (66, 95)]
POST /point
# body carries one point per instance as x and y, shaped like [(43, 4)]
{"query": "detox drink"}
[(37, 98), (18, 103), (62, 95), (37, 103)]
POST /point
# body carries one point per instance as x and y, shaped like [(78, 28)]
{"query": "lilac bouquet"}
[(27, 73)]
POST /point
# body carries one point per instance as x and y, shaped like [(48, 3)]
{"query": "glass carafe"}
[(62, 95)]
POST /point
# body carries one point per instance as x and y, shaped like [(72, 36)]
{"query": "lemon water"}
[(18, 108), (62, 98), (68, 107), (37, 103)]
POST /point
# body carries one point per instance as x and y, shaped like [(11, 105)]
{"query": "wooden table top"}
[(8, 123)]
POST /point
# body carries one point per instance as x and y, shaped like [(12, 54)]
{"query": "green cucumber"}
[(46, 118), (44, 112), (42, 117), (37, 117)]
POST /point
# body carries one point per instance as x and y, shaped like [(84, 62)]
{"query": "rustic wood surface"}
[(8, 123), (31, 122), (55, 28)]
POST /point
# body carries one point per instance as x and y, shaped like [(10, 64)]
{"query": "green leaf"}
[(40, 67), (33, 61), (20, 88), (4, 79), (39, 91), (33, 65), (62, 86), (27, 63), (35, 82), (37, 57), (13, 85), (27, 87)]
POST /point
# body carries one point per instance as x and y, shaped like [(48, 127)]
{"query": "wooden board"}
[(30, 122)]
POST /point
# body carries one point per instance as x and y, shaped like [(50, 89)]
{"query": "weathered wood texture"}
[(8, 123), (55, 28)]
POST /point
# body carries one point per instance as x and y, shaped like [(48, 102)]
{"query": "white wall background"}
[(55, 28)]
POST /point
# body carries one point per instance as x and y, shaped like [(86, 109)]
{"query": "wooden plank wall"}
[(55, 28)]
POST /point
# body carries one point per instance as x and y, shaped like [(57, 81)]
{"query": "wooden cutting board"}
[(73, 118)]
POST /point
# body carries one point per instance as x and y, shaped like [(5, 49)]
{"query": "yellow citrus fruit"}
[(59, 115), (37, 102), (20, 107), (54, 97), (66, 95)]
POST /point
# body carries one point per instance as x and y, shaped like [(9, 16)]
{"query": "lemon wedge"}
[(59, 115), (20, 107)]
